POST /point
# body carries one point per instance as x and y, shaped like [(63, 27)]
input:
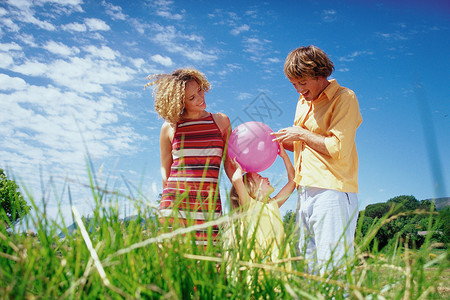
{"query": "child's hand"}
[(236, 164), (282, 153), (237, 175)]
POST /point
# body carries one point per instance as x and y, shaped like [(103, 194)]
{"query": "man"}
[(326, 162)]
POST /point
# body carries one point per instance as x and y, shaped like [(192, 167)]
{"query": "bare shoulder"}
[(221, 119), (167, 130)]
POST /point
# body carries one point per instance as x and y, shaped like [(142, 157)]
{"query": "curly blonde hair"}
[(170, 91)]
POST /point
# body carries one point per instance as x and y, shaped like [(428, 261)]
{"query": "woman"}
[(192, 142)]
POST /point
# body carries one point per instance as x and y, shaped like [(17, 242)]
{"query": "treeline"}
[(406, 219), (402, 219)]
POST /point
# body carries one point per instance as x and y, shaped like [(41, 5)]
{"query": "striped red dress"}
[(191, 195)]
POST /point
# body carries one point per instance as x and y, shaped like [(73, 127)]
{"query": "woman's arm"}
[(165, 144), (223, 122), (287, 190)]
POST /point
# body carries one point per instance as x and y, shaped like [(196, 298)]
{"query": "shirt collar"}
[(329, 91)]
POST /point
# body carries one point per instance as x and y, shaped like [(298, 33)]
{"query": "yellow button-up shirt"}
[(335, 115)]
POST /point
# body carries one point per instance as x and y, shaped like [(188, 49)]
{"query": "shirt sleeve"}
[(345, 119)]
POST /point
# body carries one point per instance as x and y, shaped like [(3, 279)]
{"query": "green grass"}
[(113, 259)]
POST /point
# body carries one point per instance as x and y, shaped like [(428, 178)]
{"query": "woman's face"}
[(194, 97)]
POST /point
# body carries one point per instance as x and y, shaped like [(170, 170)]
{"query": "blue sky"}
[(72, 74)]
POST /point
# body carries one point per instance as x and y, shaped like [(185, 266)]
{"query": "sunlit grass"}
[(108, 258)]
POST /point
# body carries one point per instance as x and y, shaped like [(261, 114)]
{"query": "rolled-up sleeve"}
[(333, 145), (344, 123)]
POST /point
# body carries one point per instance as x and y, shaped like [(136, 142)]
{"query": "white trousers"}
[(327, 224)]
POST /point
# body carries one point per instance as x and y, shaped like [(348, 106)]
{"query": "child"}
[(261, 226)]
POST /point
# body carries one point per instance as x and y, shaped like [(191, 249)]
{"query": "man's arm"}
[(291, 134)]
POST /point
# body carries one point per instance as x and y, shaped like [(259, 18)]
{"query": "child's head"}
[(170, 91), (258, 188)]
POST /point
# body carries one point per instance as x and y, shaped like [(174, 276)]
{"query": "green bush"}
[(13, 206)]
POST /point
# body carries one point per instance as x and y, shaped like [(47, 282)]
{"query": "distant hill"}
[(440, 203)]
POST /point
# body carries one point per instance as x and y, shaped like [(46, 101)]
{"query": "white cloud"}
[(273, 60), (163, 9), (27, 39), (244, 96), (77, 27), (238, 30), (137, 62), (199, 56), (50, 119), (9, 47), (329, 15), (10, 24), (94, 24), (396, 36), (163, 60), (140, 27), (104, 52), (114, 11), (175, 42), (32, 68), (228, 68), (64, 2), (60, 49), (353, 55), (169, 15), (21, 4), (24, 13), (11, 83), (49, 128), (84, 75), (256, 47)]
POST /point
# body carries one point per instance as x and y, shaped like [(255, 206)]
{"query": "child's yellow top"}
[(264, 221), (262, 227)]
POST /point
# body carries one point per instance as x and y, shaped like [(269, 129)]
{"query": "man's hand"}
[(297, 134), (290, 134)]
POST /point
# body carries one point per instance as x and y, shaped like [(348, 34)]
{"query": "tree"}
[(407, 202), (377, 210), (13, 206), (405, 227)]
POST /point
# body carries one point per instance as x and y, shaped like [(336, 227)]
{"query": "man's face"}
[(310, 88)]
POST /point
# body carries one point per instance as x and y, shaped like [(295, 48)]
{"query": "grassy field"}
[(107, 258)]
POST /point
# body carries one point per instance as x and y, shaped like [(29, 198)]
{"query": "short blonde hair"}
[(170, 91), (308, 62)]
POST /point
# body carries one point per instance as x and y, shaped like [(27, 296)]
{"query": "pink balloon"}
[(252, 146)]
